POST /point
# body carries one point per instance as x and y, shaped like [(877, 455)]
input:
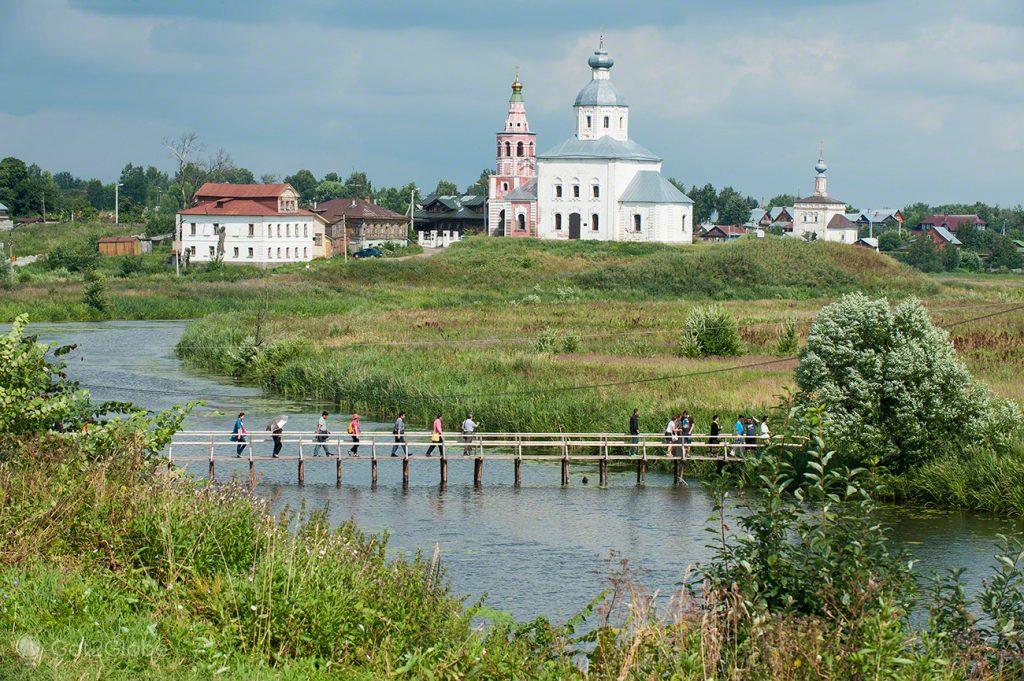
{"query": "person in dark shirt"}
[(634, 432), (713, 433)]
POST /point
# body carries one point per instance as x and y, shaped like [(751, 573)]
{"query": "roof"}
[(953, 222), (648, 186), (117, 239), (526, 192), (354, 209), (946, 235), (606, 147), (242, 191), (776, 211), (3, 207), (840, 222), (876, 215), (728, 230), (240, 207), (757, 214), (820, 199), (868, 241), (600, 92)]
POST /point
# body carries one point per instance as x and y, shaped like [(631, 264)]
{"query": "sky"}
[(913, 101)]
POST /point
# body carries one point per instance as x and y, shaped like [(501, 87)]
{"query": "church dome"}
[(821, 166), (600, 59), (600, 93)]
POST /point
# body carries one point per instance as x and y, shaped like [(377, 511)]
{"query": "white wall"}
[(618, 119), (296, 243)]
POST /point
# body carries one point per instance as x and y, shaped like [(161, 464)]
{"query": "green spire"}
[(517, 89)]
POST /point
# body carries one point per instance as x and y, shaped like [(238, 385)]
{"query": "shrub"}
[(787, 343), (950, 258), (890, 241), (129, 265), (971, 261), (709, 331), (891, 384), (95, 291), (72, 259), (6, 274), (551, 341)]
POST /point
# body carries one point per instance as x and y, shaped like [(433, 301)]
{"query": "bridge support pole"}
[(677, 471), (641, 472), (373, 463), (211, 460), (337, 467), (602, 472), (302, 464), (444, 472), (720, 466), (565, 472), (517, 466), (478, 472), (252, 472), (405, 472)]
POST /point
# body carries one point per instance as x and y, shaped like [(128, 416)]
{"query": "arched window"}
[(607, 122), (576, 191), (531, 148), (558, 191), (305, 252), (519, 149), (508, 148), (522, 222), (270, 230), (305, 230), (684, 222), (588, 121), (637, 222), (597, 191), (270, 253), (504, 186), (622, 121), (558, 221), (594, 222)]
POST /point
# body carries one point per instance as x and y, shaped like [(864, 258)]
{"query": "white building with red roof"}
[(258, 224)]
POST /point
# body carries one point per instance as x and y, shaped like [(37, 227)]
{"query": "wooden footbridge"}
[(376, 447)]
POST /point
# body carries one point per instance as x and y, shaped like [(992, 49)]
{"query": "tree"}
[(395, 198), (735, 211), (133, 179), (357, 186), (1005, 253), (890, 240), (971, 261), (446, 188), (328, 189), (782, 201), (890, 383), (268, 178), (304, 183), (482, 185), (923, 254), (184, 150), (950, 258), (703, 202)]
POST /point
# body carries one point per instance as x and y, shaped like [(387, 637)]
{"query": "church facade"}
[(820, 216), (598, 184)]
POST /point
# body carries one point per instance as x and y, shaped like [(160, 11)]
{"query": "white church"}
[(598, 184)]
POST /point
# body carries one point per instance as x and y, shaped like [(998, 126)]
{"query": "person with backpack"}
[(713, 433), (634, 432), (469, 427), (750, 429), (321, 435), (275, 435), (437, 437), (740, 429), (354, 430), (671, 433), (238, 434), (398, 430), (686, 431)]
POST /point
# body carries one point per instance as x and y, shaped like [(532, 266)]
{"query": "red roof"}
[(238, 207), (219, 190), (952, 222), (353, 209), (117, 239), (728, 230)]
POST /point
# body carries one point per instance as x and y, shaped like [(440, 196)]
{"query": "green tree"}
[(782, 201), (304, 183), (358, 186), (1004, 253), (950, 258), (890, 240), (482, 185), (735, 211), (971, 261), (95, 291), (704, 199), (709, 331), (923, 254), (328, 189), (446, 188), (134, 186), (890, 383)]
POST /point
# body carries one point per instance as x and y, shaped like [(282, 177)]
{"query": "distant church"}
[(598, 184)]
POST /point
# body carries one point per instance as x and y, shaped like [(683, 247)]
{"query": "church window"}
[(270, 230), (558, 221), (522, 222), (252, 229), (622, 121), (519, 149), (504, 186), (235, 251), (211, 251), (607, 122), (588, 121), (576, 191), (279, 229), (684, 222), (193, 229), (637, 222), (593, 222), (508, 148), (270, 253), (558, 191), (279, 251), (597, 191), (305, 252)]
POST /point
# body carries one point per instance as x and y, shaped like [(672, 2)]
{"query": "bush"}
[(95, 291), (971, 261), (709, 331), (787, 343), (129, 265), (72, 259), (6, 274), (891, 384), (950, 258), (890, 241)]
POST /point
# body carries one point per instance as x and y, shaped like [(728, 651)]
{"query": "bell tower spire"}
[(516, 167), (820, 181)]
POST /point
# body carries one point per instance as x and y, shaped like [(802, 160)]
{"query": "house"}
[(258, 224), (867, 242), (724, 232), (877, 219), (119, 245), (5, 219), (443, 220), (601, 185), (952, 223), (942, 237), (360, 223)]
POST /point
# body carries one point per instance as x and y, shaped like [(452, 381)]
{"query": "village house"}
[(953, 223), (249, 223), (119, 245), (725, 232), (5, 219), (941, 237), (360, 223), (443, 220)]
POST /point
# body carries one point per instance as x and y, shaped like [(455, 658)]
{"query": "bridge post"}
[(405, 471), (170, 457), (302, 464), (641, 471), (677, 471), (478, 472), (565, 462), (337, 466), (517, 465), (211, 458), (252, 467), (444, 472), (602, 465)]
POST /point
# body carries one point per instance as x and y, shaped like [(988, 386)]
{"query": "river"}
[(534, 550)]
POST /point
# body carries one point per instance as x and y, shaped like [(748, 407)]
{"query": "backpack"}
[(351, 429)]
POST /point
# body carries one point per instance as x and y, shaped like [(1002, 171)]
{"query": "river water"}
[(534, 550)]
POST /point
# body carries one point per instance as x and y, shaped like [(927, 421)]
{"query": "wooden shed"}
[(120, 245)]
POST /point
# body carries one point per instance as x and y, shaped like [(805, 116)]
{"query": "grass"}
[(36, 239)]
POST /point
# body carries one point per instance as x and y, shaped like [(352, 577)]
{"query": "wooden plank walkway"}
[(374, 447)]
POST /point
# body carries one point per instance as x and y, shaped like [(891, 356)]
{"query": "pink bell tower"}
[(512, 193)]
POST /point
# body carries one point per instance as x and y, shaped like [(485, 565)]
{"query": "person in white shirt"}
[(671, 433), (766, 433), (321, 435), (469, 427)]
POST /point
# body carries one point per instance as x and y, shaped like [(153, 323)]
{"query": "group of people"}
[(240, 435), (678, 435)]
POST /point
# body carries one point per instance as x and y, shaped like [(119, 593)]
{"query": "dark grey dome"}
[(600, 93)]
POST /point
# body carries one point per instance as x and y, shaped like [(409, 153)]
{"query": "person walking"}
[(275, 435), (321, 435), (436, 437), (739, 429), (766, 432), (238, 434), (671, 430), (354, 429), (398, 430), (713, 433), (469, 427), (634, 432), (750, 429), (685, 431)]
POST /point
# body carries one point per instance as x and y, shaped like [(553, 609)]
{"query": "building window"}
[(252, 230), (250, 252), (508, 148), (576, 191), (597, 191), (216, 226), (684, 222), (522, 222), (519, 149), (622, 121), (193, 229), (305, 231), (594, 222), (279, 229), (504, 186), (235, 252), (637, 222), (287, 253), (213, 251), (270, 231), (588, 121), (607, 122), (305, 252), (558, 191), (278, 251), (192, 250), (558, 221)]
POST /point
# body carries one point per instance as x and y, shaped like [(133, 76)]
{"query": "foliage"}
[(923, 254), (129, 265), (95, 291), (788, 342), (304, 183), (709, 331), (971, 262), (73, 259), (482, 184), (891, 384), (890, 240), (446, 188), (553, 341), (950, 258), (6, 273)]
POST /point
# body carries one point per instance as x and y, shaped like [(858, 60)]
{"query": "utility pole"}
[(344, 239), (117, 202), (412, 210)]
